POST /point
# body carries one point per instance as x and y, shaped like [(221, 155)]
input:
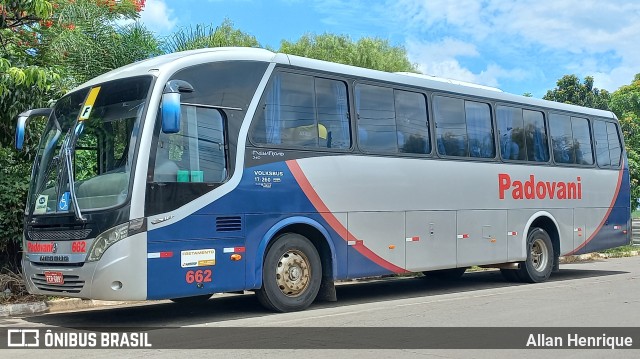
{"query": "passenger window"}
[(479, 129), (608, 149), (197, 152), (522, 134), (463, 128), (615, 148), (303, 111), (451, 131), (561, 138), (376, 119), (535, 136), (412, 123), (333, 113), (571, 139), (582, 140), (602, 143), (511, 133)]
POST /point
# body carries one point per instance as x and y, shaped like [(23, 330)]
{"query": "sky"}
[(519, 46)]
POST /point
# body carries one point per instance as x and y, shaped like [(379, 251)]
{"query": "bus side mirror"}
[(23, 121), (170, 110)]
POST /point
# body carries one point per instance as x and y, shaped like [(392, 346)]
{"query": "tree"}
[(570, 90), (625, 103), (206, 36), (372, 53), (39, 45)]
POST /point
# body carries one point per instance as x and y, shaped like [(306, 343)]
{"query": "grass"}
[(635, 214), (622, 249), (13, 289)]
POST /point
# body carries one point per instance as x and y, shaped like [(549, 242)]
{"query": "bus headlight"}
[(113, 235)]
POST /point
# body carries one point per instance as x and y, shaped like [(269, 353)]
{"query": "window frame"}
[(545, 121), (591, 139), (616, 124), (428, 114), (481, 100), (286, 147)]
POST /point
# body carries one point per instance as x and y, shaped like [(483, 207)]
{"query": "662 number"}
[(198, 276)]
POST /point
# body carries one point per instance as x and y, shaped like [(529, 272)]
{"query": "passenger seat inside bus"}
[(305, 136)]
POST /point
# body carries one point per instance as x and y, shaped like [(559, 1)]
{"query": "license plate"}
[(54, 277)]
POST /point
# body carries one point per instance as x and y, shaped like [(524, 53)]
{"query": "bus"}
[(239, 169)]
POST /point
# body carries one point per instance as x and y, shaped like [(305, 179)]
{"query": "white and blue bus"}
[(236, 169)]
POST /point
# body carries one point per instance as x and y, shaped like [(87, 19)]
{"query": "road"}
[(595, 294)]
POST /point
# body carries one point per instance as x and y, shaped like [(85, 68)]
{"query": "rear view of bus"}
[(224, 170)]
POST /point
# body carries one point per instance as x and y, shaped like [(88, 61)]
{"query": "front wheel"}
[(291, 274), (537, 268)]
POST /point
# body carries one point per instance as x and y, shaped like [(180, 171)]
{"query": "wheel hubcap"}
[(539, 255), (293, 273)]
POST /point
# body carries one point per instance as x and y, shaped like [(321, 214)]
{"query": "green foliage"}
[(207, 36), (371, 53), (625, 103), (46, 48), (13, 196), (570, 90)]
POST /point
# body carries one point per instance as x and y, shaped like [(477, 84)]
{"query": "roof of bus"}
[(188, 58)]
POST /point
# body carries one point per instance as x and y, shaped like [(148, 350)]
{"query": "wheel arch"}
[(546, 221), (307, 227)]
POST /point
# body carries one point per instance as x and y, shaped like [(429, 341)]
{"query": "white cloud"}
[(588, 37), (158, 17), (440, 59)]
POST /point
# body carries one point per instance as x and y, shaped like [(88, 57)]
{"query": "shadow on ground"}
[(223, 308)]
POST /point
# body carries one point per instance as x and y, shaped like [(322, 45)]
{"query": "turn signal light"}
[(236, 257)]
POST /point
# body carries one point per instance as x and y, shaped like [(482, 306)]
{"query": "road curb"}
[(53, 306)]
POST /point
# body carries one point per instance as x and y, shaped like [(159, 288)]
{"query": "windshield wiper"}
[(67, 149)]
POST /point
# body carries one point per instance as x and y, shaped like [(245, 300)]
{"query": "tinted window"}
[(561, 139), (511, 133), (608, 149), (479, 129), (522, 134), (571, 139), (303, 111), (333, 113), (376, 119), (582, 140), (412, 123), (451, 130), (535, 136), (463, 128), (615, 148), (197, 152), (602, 143)]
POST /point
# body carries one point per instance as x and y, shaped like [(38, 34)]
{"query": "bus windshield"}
[(101, 142)]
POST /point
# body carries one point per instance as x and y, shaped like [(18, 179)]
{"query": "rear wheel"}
[(537, 268), (291, 274)]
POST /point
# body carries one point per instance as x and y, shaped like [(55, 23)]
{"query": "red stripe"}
[(319, 205), (166, 254), (239, 249), (606, 216)]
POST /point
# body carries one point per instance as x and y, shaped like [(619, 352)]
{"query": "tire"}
[(537, 268), (198, 299), (510, 275), (291, 274), (445, 274)]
